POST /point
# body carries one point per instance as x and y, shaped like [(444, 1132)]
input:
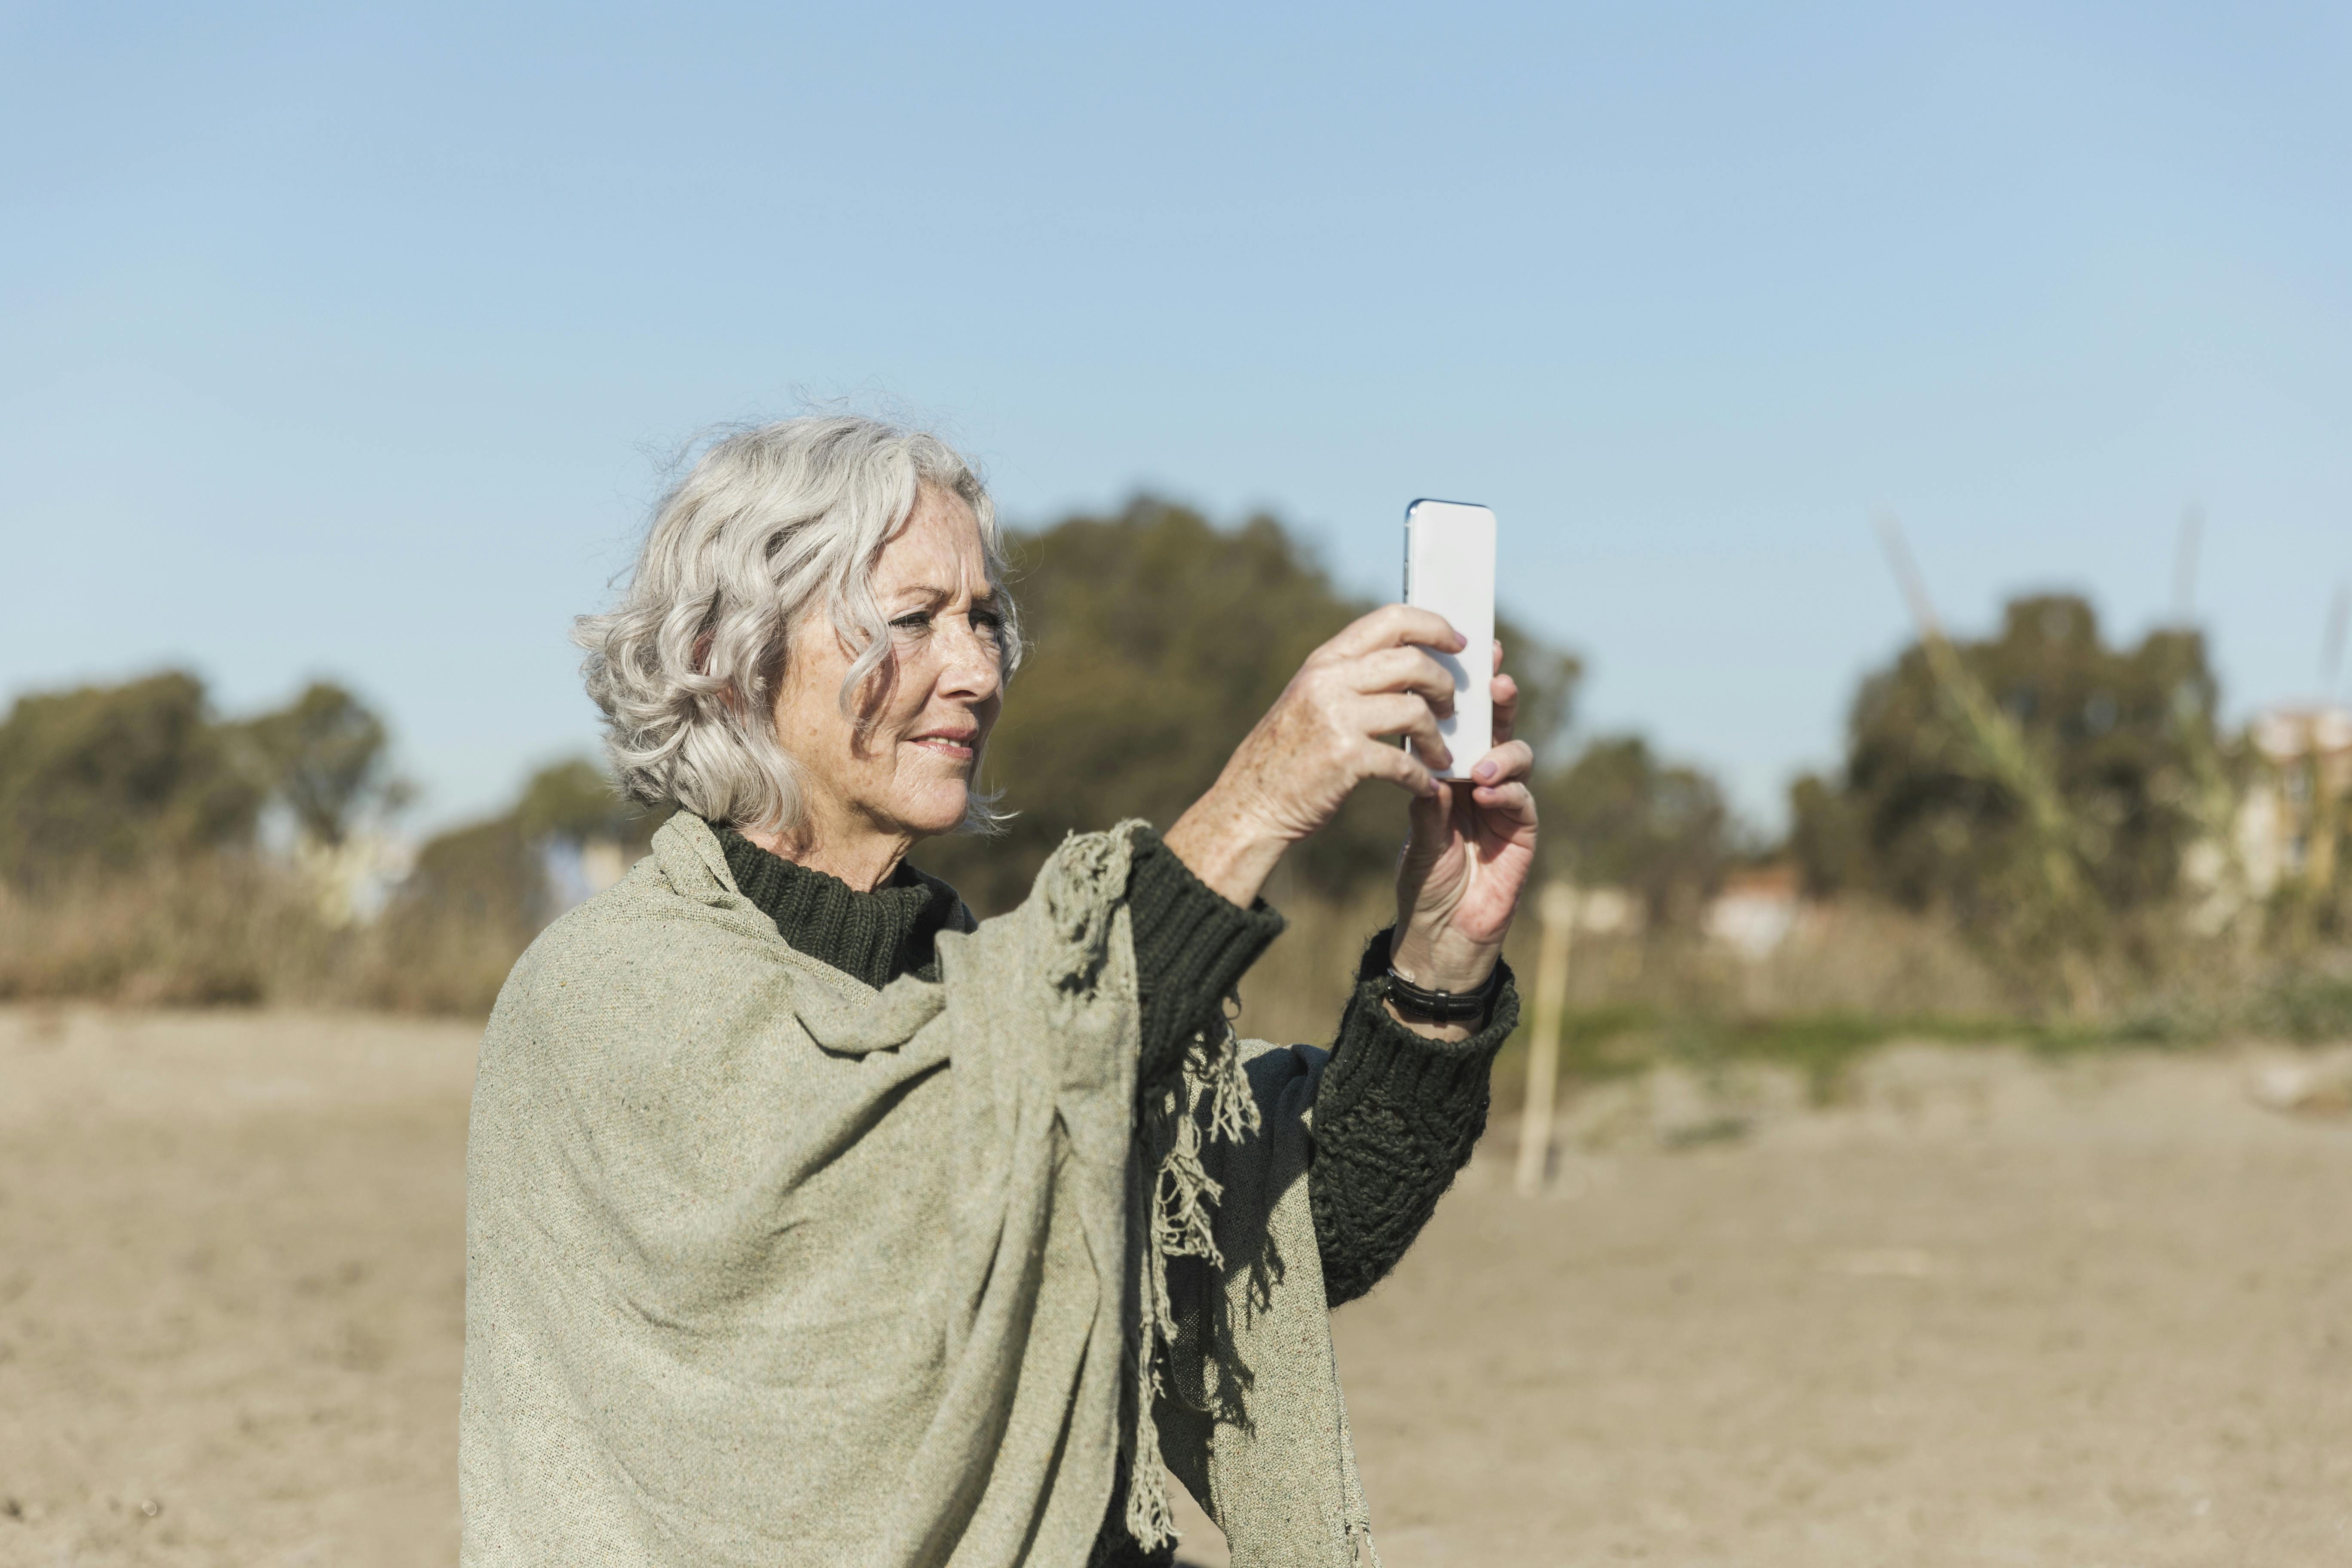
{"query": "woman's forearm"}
[(1225, 846)]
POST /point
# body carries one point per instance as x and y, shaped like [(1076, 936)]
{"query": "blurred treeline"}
[(154, 851), (2038, 823), (114, 779)]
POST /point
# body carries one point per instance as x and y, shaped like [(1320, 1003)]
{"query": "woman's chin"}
[(937, 810)]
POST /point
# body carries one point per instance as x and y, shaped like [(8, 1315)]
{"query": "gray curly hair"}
[(769, 521)]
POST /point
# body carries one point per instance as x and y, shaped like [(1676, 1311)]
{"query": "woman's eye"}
[(919, 620)]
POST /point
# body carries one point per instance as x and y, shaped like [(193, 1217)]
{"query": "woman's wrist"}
[(1225, 848), (1440, 961), (1433, 963)]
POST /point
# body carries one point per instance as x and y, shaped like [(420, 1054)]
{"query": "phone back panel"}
[(1449, 567)]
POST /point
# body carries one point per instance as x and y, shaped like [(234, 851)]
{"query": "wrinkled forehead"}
[(938, 549)]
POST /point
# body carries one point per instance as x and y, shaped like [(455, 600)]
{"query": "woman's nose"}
[(972, 667)]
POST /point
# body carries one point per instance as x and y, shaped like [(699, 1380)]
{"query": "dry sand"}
[(1990, 1313)]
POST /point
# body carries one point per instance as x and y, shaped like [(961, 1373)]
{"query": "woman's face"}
[(901, 764)]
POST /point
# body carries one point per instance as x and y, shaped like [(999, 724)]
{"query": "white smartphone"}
[(1449, 567)]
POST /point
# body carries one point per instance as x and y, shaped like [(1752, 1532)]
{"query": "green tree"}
[(110, 778), (575, 799), (1618, 815), (324, 755), (2113, 750), (473, 900), (1824, 837)]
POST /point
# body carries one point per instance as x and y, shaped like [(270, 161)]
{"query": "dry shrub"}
[(475, 900), (1848, 979), (238, 929), (1862, 960), (1854, 958), (206, 931)]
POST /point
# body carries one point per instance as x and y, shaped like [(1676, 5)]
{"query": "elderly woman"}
[(811, 1221)]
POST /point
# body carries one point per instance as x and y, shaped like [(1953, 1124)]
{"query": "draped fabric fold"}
[(765, 1266)]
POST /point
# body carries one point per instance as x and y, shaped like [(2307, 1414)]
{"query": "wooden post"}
[(1558, 908)]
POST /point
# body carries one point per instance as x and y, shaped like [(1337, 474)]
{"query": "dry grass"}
[(218, 931), (1847, 981), (1863, 962), (243, 931)]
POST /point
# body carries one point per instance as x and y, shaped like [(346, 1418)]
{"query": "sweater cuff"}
[(1377, 1056), (1193, 944)]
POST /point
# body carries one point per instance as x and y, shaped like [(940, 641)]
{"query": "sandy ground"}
[(1988, 1311)]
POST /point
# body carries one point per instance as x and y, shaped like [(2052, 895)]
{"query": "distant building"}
[(2291, 818), (352, 881), (1756, 910), (1609, 912)]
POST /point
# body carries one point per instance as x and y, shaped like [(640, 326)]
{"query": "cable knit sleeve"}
[(1192, 945), (1395, 1118)]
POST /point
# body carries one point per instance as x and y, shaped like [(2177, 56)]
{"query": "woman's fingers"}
[(1402, 713), (1504, 693), (1513, 801), (1402, 669), (1395, 626), (1511, 760), (1399, 767)]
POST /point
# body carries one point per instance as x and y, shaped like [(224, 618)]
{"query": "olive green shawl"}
[(765, 1266)]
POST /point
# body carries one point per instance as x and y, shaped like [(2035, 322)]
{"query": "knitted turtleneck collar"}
[(875, 936)]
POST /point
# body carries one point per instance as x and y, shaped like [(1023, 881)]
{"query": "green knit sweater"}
[(1397, 1112)]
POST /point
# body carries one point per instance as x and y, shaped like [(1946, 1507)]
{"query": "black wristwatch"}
[(1424, 1006)]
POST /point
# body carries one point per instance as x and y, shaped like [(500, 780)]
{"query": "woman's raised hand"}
[(1466, 862), (1327, 732)]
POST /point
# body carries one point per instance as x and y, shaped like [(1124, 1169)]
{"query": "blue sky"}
[(353, 340)]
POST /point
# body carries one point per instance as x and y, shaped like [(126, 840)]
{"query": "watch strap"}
[(1429, 1007)]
